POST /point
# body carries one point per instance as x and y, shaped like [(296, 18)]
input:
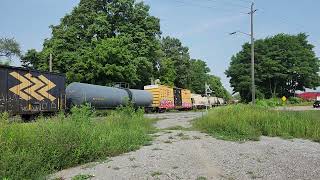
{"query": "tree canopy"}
[(118, 39), (9, 48), (283, 64), (174, 63), (106, 41), (199, 75)]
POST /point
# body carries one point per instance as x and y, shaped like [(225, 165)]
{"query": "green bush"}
[(244, 122), (274, 102), (295, 100), (34, 150)]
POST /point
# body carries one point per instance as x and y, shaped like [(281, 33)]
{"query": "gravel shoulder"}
[(167, 120), (298, 108), (190, 155)]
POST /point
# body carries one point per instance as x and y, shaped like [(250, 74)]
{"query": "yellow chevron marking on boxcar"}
[(37, 85), (44, 91), (18, 88)]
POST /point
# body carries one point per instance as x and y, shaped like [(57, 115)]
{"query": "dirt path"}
[(168, 120), (194, 155)]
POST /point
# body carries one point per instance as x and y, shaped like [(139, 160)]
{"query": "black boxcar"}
[(29, 92)]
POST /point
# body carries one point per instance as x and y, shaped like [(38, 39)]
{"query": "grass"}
[(82, 177), (186, 137), (244, 122), (275, 102), (303, 103), (183, 136), (180, 134), (201, 178), (177, 128), (34, 150), (157, 173)]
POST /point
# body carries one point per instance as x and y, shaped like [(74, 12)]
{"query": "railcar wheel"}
[(28, 117)]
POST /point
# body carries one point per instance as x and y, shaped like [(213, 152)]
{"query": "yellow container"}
[(162, 96), (186, 99)]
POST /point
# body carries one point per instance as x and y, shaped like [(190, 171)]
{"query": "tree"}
[(103, 41), (8, 49), (174, 63), (167, 71), (283, 64), (106, 41), (218, 90), (199, 75), (176, 68)]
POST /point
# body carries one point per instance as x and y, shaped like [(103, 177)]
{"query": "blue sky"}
[(202, 25)]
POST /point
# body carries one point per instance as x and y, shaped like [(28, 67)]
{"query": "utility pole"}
[(208, 91), (253, 86), (50, 63)]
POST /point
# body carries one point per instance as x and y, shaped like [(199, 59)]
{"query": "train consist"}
[(28, 92)]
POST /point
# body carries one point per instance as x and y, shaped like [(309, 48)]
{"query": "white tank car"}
[(199, 102), (213, 101), (221, 101)]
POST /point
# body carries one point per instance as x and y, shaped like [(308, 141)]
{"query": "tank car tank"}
[(102, 97)]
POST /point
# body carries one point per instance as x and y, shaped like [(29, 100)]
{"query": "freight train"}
[(29, 92)]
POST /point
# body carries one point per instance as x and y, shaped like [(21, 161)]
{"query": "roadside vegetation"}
[(244, 122), (274, 102), (34, 150)]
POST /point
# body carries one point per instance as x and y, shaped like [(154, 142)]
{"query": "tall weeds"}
[(33, 150), (244, 122)]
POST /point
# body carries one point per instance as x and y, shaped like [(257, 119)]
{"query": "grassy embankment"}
[(244, 122), (34, 150)]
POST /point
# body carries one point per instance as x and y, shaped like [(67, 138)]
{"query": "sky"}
[(201, 25)]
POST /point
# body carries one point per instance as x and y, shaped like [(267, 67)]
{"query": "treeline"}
[(101, 42), (284, 64)]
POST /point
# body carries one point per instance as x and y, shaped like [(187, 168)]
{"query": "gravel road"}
[(168, 120), (298, 108), (194, 155)]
